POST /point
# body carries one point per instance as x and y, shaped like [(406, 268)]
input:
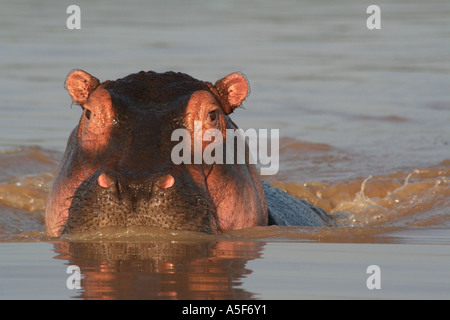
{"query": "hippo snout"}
[(109, 200), (108, 180)]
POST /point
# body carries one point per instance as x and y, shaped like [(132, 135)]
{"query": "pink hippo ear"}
[(234, 88), (80, 85)]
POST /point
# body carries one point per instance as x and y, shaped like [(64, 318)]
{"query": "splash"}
[(417, 198)]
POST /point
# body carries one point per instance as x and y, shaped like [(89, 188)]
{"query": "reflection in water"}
[(161, 269)]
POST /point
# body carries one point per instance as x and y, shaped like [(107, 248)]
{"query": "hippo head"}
[(118, 171)]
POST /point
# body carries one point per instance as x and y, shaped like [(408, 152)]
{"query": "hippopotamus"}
[(117, 169)]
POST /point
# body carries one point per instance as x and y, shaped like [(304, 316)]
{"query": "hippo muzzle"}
[(113, 200)]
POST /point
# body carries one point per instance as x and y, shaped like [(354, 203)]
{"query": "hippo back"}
[(286, 210)]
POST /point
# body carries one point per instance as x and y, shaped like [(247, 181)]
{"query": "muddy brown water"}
[(364, 124)]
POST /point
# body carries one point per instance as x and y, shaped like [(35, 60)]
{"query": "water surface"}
[(364, 124)]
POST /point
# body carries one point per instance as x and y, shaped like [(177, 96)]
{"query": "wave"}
[(417, 198), (362, 206)]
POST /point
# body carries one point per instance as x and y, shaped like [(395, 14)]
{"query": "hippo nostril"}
[(104, 180), (166, 181)]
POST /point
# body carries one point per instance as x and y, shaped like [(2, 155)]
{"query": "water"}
[(364, 124), (223, 270)]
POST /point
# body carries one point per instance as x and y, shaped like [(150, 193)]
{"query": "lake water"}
[(364, 120)]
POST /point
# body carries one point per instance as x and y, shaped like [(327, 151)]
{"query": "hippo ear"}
[(80, 85), (234, 88)]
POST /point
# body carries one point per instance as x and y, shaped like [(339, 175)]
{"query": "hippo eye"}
[(212, 116), (87, 114)]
